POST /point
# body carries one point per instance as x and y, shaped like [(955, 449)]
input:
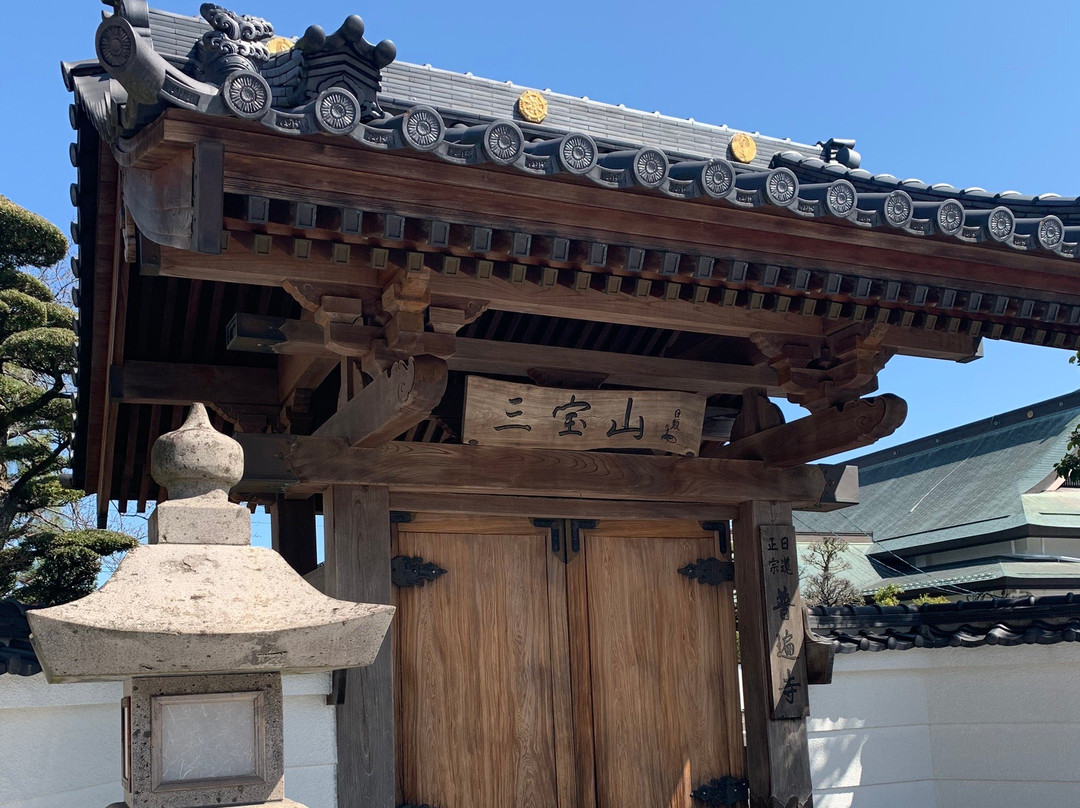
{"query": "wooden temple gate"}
[(420, 320)]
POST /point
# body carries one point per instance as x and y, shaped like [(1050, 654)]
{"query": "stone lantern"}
[(200, 625)]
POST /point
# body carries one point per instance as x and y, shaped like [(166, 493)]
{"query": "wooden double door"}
[(535, 676)]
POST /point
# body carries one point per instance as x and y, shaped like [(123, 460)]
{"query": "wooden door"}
[(663, 666), (601, 678), (482, 694)]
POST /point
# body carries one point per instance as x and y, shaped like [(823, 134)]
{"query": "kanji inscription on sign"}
[(783, 621), (509, 414)]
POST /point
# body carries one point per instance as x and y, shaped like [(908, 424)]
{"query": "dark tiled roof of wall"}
[(1000, 621), (16, 654)]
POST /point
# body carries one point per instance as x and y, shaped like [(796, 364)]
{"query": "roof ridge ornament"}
[(245, 70)]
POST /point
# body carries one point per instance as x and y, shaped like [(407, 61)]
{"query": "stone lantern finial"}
[(198, 465), (196, 460)]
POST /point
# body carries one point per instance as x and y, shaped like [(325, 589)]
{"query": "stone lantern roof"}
[(198, 598)]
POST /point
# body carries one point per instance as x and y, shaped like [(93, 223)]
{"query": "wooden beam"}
[(303, 464), (263, 334), (414, 185), (706, 378), (303, 373), (822, 434), (260, 333), (111, 281), (553, 508), (554, 300), (357, 537), (208, 195), (137, 382), (777, 755), (292, 532), (392, 404)]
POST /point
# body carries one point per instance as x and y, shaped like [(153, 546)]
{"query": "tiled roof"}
[(999, 621), (996, 573), (16, 654), (966, 484), (467, 120)]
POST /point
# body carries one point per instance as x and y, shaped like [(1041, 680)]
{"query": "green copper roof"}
[(965, 485)]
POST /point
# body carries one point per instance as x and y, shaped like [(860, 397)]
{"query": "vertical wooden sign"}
[(783, 620)]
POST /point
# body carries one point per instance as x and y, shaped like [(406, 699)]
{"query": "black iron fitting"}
[(710, 571), (413, 571), (722, 791)]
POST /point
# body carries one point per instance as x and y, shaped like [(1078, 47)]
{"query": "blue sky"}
[(970, 93)]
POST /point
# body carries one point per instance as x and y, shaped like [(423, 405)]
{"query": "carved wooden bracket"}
[(824, 433), (404, 300), (394, 402), (818, 372)]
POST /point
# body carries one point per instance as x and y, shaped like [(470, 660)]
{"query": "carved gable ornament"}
[(320, 82)]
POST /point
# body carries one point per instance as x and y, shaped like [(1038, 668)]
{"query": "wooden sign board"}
[(783, 619), (524, 415)]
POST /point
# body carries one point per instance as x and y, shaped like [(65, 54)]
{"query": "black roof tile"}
[(966, 624), (443, 99), (16, 654)]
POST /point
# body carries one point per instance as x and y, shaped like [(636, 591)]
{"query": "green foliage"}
[(45, 556), (826, 586), (1069, 466), (924, 599), (888, 595), (49, 351), (64, 566), (28, 240)]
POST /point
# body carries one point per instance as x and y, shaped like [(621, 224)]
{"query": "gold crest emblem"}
[(532, 106), (743, 147)]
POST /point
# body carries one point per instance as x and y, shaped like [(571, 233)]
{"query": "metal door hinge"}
[(413, 571), (337, 687), (722, 791), (400, 517), (711, 571), (576, 526), (554, 527), (723, 529)]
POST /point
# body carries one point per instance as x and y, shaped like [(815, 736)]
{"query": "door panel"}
[(525, 680), (475, 667), (662, 658)]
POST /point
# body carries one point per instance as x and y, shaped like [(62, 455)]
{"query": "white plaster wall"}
[(60, 744), (948, 728)]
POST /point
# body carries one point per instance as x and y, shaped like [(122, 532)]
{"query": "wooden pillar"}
[(777, 757), (292, 532), (357, 536)]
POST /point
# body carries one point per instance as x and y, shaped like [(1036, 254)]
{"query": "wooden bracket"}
[(819, 372), (390, 405), (824, 433)]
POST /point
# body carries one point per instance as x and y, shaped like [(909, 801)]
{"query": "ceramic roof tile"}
[(999, 621)]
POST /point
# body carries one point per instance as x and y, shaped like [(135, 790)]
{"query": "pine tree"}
[(44, 557)]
